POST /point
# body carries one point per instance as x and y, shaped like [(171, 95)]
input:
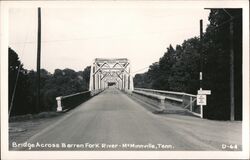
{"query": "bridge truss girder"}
[(117, 71)]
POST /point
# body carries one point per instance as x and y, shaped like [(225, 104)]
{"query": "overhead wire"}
[(223, 23), (100, 37), (140, 69), (232, 18)]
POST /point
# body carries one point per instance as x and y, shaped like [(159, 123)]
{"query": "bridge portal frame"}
[(117, 70)]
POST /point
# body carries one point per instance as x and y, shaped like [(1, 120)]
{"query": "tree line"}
[(178, 69), (61, 82)]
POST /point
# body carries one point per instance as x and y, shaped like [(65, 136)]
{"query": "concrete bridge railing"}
[(159, 98), (72, 100), (184, 100)]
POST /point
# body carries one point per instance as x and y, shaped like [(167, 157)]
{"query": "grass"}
[(33, 116)]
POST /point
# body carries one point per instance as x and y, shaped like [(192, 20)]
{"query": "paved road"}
[(113, 121)]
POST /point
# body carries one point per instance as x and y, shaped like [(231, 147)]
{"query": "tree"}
[(86, 77), (142, 81), (217, 63), (62, 82), (179, 68), (17, 85)]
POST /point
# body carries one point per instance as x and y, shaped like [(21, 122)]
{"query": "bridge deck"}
[(114, 118)]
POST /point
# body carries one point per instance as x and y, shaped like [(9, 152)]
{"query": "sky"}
[(73, 37)]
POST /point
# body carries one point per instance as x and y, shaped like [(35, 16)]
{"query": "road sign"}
[(201, 99), (204, 92)]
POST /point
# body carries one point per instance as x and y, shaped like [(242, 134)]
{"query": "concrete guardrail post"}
[(162, 103), (191, 104), (59, 104)]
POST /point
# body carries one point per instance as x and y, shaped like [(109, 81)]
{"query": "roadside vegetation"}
[(61, 82), (178, 69)]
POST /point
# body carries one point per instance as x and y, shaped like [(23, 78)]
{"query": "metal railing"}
[(71, 101), (184, 100)]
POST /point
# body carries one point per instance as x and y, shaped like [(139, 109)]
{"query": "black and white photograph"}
[(125, 79)]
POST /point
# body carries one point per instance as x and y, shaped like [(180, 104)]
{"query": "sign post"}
[(201, 111), (201, 99)]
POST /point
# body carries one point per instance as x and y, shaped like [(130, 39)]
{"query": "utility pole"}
[(232, 118), (38, 61), (201, 52), (231, 32), (201, 60)]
